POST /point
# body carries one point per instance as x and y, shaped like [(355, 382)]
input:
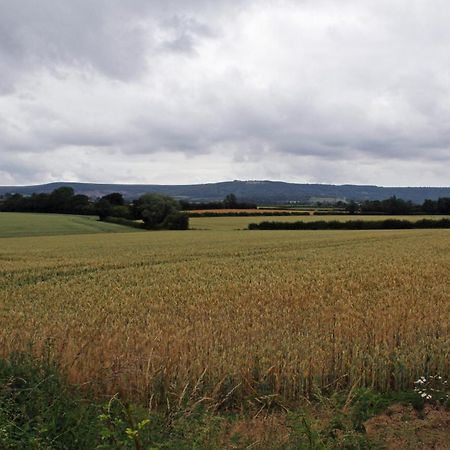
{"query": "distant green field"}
[(28, 224), (239, 223)]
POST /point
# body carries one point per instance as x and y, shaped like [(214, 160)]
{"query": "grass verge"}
[(40, 410)]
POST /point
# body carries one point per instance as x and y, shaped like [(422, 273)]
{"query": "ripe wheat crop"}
[(231, 315)]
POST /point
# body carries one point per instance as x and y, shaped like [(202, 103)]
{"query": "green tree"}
[(443, 205), (158, 211), (352, 207), (230, 201), (115, 198), (104, 208), (176, 221), (429, 206), (60, 199)]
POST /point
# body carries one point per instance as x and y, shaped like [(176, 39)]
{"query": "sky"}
[(194, 91)]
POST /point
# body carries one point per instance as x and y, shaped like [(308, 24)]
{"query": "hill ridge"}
[(263, 191)]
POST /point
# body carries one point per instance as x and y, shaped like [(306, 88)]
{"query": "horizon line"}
[(219, 182)]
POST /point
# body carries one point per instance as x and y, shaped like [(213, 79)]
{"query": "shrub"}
[(388, 224), (176, 221), (39, 410)]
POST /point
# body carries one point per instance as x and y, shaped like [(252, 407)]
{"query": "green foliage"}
[(433, 389), (388, 224), (123, 427), (337, 432), (230, 201), (176, 221), (159, 211), (352, 207), (367, 403), (38, 410), (391, 205), (115, 199), (112, 205), (303, 433), (61, 200), (104, 208)]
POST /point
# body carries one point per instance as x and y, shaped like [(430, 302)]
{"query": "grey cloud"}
[(184, 33), (257, 87), (114, 37), (94, 34)]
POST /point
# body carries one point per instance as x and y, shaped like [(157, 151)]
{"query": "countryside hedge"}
[(388, 224)]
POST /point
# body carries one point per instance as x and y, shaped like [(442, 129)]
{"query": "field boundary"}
[(388, 224)]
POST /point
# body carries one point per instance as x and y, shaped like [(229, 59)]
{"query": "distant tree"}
[(443, 205), (230, 201), (176, 221), (80, 204), (158, 211), (59, 201), (429, 206), (123, 211), (103, 208), (13, 202), (391, 205), (115, 199), (352, 207)]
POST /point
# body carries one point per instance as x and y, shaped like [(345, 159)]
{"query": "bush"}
[(388, 224), (176, 221), (38, 410), (157, 211)]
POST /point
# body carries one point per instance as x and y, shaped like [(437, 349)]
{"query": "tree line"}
[(394, 205), (388, 224), (161, 211), (155, 211), (229, 202)]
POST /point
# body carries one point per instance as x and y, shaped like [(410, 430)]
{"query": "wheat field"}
[(230, 315)]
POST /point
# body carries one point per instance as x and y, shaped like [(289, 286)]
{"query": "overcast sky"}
[(188, 91)]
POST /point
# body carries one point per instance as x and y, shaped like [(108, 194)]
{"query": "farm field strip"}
[(30, 224)]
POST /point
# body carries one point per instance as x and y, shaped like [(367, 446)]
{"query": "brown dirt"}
[(402, 427), (259, 433)]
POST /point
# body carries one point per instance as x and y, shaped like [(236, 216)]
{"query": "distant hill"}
[(256, 191)]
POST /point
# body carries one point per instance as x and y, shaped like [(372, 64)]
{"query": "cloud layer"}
[(191, 91)]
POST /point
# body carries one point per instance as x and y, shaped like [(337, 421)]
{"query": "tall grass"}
[(227, 318)]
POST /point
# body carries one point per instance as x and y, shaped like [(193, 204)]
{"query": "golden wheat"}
[(231, 314)]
